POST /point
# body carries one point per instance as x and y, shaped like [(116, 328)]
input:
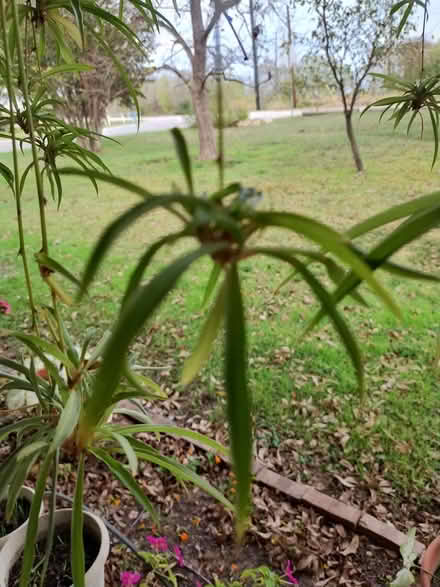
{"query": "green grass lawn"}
[(304, 390)]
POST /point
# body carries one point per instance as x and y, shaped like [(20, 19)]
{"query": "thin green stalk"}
[(51, 528), (220, 135), (17, 194), (425, 17), (58, 321), (27, 102)]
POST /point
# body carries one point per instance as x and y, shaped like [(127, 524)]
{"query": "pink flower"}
[(289, 573), (129, 578), (179, 556), (5, 308), (159, 544), (198, 584)]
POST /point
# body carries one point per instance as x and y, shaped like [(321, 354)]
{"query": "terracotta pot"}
[(28, 494), (14, 547), (430, 562)]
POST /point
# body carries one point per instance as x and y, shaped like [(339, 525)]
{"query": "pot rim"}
[(28, 494), (14, 548)]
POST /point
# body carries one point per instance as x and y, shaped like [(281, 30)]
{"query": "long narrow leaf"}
[(33, 341), (404, 18), (21, 425), (173, 431), (68, 420), (181, 472), (144, 385), (434, 122), (14, 365), (212, 282), (138, 309), (184, 158), (114, 230), (126, 479), (404, 234), (238, 397), (145, 260), (331, 241), (32, 528), (66, 68), (395, 213), (77, 546), (20, 475), (128, 451), (43, 259), (206, 339), (76, 9)]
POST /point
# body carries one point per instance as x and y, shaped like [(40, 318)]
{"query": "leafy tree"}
[(353, 38), (86, 97)]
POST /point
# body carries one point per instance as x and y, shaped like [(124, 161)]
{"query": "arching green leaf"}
[(238, 396), (77, 546), (207, 336), (136, 312), (184, 158)]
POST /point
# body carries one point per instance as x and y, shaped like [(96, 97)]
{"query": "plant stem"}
[(221, 148), (51, 528), (425, 15), (31, 131), (58, 321), (17, 194)]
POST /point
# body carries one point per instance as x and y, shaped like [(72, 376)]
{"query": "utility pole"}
[(291, 58), (254, 33)]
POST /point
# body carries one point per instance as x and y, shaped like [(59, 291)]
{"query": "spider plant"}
[(413, 100)]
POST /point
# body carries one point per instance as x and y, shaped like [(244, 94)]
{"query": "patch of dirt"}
[(322, 553), (59, 573)]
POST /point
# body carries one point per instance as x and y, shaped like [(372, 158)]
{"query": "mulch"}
[(323, 553)]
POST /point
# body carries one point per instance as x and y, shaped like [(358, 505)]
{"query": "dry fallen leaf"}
[(346, 481), (352, 548)]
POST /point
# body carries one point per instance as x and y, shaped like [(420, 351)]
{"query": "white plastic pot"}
[(28, 494), (15, 546)]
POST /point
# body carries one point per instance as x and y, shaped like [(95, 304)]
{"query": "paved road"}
[(148, 124), (161, 123)]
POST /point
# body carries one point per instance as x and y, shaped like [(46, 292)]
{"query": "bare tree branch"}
[(179, 74), (178, 37)]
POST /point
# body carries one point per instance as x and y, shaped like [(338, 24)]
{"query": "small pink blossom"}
[(198, 584), (5, 308), (179, 556), (129, 578), (159, 544), (289, 573)]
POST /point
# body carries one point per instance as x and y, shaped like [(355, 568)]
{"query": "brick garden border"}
[(354, 518)]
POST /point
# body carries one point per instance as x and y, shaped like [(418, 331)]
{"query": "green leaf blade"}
[(206, 339), (77, 546), (184, 158), (239, 401)]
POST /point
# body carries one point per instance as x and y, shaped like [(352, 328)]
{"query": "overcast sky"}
[(303, 27)]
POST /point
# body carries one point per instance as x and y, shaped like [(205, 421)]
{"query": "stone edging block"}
[(349, 515)]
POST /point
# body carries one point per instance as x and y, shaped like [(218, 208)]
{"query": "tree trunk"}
[(208, 147), (352, 139), (199, 94)]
